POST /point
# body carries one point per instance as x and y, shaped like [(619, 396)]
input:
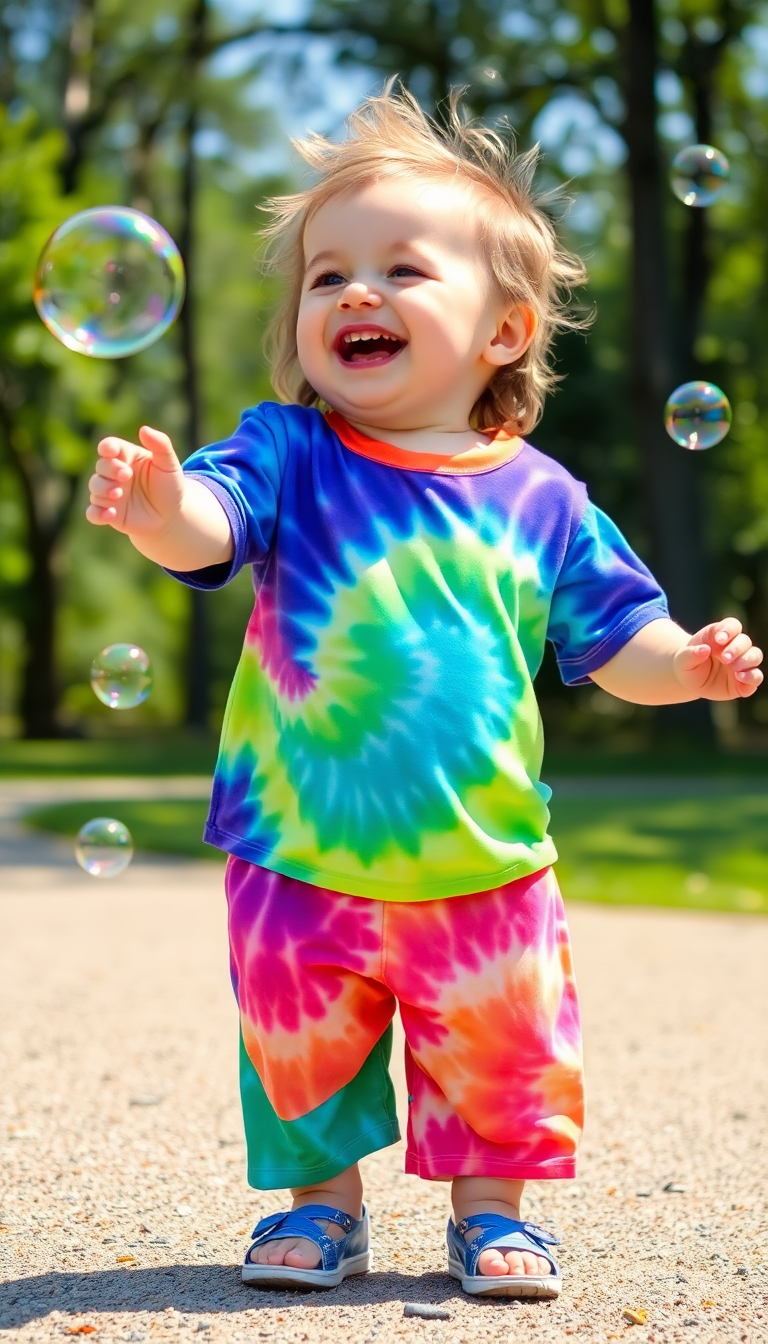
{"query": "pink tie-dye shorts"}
[(488, 1003)]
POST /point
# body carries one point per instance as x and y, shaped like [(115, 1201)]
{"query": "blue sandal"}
[(505, 1234), (351, 1254)]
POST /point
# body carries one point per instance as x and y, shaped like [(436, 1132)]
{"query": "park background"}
[(185, 109)]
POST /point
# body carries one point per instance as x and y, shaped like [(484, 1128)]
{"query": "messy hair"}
[(390, 135)]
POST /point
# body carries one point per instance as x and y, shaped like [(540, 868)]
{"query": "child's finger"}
[(100, 516), (161, 448), (112, 448), (113, 469), (734, 649), (101, 488), (749, 681), (720, 633), (752, 658)]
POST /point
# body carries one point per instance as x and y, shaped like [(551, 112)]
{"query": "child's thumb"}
[(161, 448)]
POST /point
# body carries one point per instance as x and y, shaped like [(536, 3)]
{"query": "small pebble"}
[(145, 1101), (635, 1315), (673, 1189), (426, 1310), (692, 1320), (742, 1269)]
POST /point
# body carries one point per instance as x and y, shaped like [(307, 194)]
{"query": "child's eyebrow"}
[(321, 256), (406, 245)]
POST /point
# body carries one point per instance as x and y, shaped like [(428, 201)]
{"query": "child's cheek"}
[(309, 341)]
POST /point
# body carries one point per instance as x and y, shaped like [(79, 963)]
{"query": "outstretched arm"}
[(140, 489), (662, 665)]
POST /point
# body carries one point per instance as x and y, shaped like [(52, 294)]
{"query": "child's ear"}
[(514, 334)]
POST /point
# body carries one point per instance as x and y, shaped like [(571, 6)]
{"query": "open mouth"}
[(367, 346)]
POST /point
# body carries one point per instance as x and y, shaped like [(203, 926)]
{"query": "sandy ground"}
[(123, 1206)]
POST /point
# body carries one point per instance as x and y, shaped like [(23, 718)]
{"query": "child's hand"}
[(137, 489), (719, 662)]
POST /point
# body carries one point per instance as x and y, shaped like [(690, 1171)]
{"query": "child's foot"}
[(297, 1252), (495, 1261), (477, 1194), (344, 1192)]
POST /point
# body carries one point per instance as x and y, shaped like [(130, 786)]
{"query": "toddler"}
[(377, 788)]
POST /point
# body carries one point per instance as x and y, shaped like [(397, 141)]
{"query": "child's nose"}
[(358, 295)]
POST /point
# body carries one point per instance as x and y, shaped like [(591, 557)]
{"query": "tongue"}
[(372, 356)]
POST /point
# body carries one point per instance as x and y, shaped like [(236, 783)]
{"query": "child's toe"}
[(492, 1262), (278, 1251), (526, 1263), (516, 1262), (303, 1255), (531, 1263)]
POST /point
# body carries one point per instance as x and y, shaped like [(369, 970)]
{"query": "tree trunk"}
[(197, 657), (40, 692), (77, 93), (45, 523), (702, 62), (670, 473)]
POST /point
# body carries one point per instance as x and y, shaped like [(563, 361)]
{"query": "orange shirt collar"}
[(502, 448)]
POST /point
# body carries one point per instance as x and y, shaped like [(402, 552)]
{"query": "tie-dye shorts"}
[(488, 1003)]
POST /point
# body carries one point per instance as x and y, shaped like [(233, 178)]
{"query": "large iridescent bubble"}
[(104, 847), (699, 173), (110, 281), (121, 676), (697, 415)]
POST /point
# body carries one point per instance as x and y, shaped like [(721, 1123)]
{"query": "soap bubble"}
[(121, 676), (109, 282), (699, 173), (697, 415), (104, 847)]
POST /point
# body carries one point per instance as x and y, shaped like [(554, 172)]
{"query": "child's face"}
[(400, 262)]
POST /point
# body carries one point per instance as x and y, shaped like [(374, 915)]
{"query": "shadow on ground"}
[(207, 1289)]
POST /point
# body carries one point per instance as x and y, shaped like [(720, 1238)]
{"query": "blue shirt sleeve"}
[(603, 595), (244, 472)]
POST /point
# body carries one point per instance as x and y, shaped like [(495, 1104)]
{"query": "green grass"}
[(706, 853), (164, 826), (164, 754), (680, 762)]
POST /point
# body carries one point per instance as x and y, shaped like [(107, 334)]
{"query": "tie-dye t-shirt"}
[(382, 736)]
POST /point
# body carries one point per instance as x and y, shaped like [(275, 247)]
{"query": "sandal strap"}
[(496, 1231), (298, 1223)]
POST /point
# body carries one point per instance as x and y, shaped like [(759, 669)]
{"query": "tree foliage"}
[(158, 105)]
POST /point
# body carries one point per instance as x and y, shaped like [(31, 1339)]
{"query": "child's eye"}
[(398, 272), (327, 278)]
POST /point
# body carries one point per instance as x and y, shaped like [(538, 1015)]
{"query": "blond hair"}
[(390, 135)]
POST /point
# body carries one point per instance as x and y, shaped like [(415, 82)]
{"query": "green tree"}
[(140, 120), (48, 408)]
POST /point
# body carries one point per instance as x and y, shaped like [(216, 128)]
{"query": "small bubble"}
[(104, 847), (121, 676), (697, 415), (699, 173), (110, 281)]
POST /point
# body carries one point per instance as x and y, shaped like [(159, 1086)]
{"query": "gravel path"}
[(123, 1206)]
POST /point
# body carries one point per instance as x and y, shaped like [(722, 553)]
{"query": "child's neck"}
[(443, 440)]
